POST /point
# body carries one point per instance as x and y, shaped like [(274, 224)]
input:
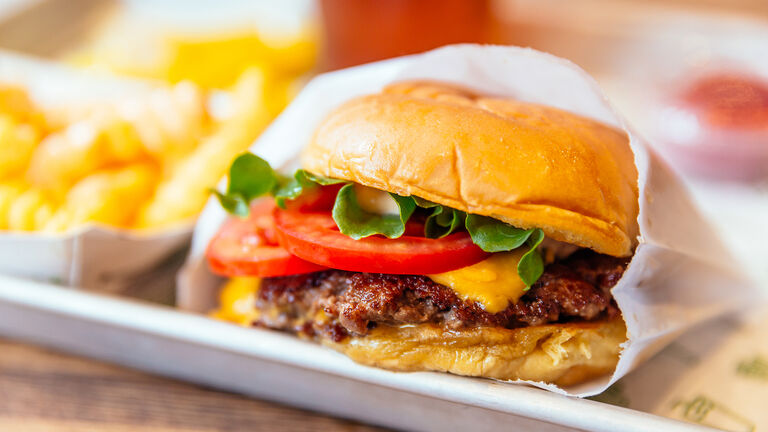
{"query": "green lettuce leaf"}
[(357, 223), (531, 266), (234, 204), (421, 202), (302, 181), (249, 177), (493, 235), (442, 221)]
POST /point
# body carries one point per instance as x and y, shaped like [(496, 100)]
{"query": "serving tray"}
[(270, 365)]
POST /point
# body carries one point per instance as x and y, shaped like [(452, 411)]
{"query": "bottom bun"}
[(562, 354)]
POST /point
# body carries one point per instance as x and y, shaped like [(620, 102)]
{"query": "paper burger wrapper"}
[(90, 256), (680, 275)]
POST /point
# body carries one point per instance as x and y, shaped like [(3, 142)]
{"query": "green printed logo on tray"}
[(707, 412), (756, 368)]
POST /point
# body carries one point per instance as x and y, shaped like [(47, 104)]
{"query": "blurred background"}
[(691, 76)]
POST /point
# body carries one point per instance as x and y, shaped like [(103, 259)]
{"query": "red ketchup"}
[(717, 126)]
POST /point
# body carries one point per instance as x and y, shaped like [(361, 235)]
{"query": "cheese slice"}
[(236, 300), (493, 282)]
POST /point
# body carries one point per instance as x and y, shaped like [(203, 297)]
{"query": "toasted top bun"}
[(529, 165)]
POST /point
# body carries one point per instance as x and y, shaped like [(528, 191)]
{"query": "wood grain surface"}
[(41, 390)]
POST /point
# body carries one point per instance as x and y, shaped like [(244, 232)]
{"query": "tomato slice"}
[(315, 238), (320, 198), (248, 247)]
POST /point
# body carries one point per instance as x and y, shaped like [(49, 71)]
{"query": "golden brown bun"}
[(528, 165), (563, 354)]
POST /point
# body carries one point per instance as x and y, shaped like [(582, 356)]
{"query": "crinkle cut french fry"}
[(169, 122), (165, 124), (17, 142), (103, 163), (122, 142), (63, 158), (15, 102), (101, 140), (30, 210), (110, 197), (59, 117), (9, 191)]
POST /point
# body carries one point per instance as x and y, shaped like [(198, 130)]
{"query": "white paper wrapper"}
[(680, 275), (89, 257)]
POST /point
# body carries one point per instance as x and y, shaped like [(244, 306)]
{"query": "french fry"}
[(15, 103), (83, 147), (144, 162), (260, 92), (17, 142), (182, 195), (122, 142), (63, 158), (109, 197), (30, 210), (9, 191), (169, 122), (60, 117)]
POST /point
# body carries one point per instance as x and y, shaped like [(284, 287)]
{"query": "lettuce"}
[(531, 266), (302, 180), (493, 235), (442, 221), (251, 177), (357, 223)]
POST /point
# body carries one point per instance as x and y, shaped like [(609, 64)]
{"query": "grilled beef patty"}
[(337, 303)]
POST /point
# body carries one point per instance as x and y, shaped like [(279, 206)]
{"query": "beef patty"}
[(337, 303)]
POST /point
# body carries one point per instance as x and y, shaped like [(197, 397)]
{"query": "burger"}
[(431, 227)]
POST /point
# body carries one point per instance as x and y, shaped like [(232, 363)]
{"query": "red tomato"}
[(315, 237), (320, 198), (248, 247)]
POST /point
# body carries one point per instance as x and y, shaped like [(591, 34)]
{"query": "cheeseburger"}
[(434, 228)]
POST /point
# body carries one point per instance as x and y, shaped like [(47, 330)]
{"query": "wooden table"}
[(41, 390)]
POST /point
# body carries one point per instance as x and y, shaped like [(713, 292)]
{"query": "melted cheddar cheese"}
[(493, 283), (236, 300)]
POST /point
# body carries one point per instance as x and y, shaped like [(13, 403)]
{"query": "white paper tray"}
[(282, 368)]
